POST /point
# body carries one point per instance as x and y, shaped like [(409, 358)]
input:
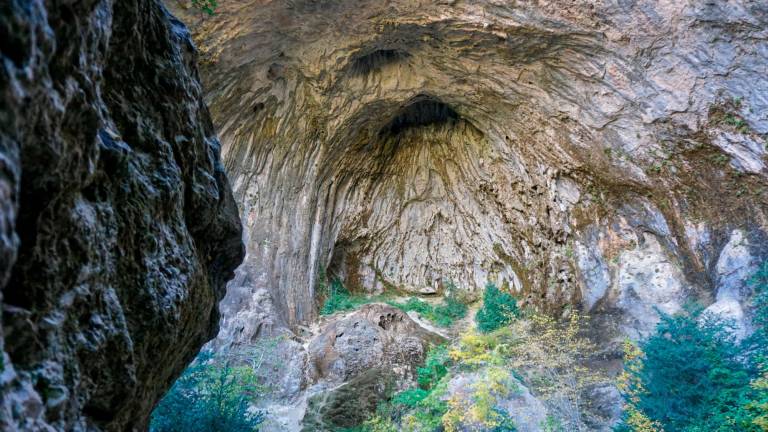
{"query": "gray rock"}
[(648, 283), (115, 208), (528, 413), (734, 268), (747, 153), (411, 143), (375, 336)]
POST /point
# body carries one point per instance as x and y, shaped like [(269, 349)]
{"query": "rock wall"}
[(580, 152), (118, 229)]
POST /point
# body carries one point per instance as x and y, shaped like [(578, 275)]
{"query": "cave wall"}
[(118, 229), (602, 154)]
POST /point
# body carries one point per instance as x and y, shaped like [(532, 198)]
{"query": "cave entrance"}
[(415, 205)]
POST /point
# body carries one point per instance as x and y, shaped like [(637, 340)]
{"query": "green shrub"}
[(499, 309), (410, 398), (453, 307), (691, 376), (435, 367), (212, 394), (444, 314), (339, 299), (206, 6), (428, 413)]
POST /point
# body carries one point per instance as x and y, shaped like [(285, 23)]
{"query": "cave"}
[(365, 206)]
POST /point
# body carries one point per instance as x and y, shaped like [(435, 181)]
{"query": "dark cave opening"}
[(422, 110), (363, 64)]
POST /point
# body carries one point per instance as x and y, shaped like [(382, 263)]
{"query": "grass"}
[(339, 299)]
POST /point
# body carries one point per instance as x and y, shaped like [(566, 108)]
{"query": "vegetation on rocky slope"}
[(523, 370), (338, 298), (693, 375)]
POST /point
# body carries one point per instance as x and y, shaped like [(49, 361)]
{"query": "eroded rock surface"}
[(118, 230), (335, 375), (578, 152), (375, 336)]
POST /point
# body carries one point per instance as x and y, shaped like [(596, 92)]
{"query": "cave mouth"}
[(421, 110), (412, 208), (365, 63)]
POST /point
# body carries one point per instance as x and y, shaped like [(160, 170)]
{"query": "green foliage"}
[(339, 299), (418, 409), (427, 415), (757, 343), (435, 367), (451, 309), (691, 376), (499, 309), (213, 394), (410, 398), (206, 6), (503, 421)]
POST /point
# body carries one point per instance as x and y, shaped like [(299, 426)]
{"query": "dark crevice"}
[(363, 64), (422, 110)]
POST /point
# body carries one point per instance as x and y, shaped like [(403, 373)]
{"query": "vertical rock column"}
[(118, 230)]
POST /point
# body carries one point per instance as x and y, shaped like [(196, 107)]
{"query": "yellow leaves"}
[(630, 385), (476, 350), (639, 422), (477, 409), (454, 417)]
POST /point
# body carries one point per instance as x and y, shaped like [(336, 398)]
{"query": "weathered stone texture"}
[(576, 151), (118, 229)]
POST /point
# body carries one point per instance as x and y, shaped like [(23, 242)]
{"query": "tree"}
[(551, 356), (213, 394), (499, 309), (689, 376)]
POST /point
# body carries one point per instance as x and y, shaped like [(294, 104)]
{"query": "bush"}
[(445, 314), (410, 398), (689, 376), (435, 367), (339, 299), (205, 6), (212, 394), (499, 309)]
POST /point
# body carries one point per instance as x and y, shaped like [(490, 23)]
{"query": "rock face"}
[(335, 374), (376, 336), (359, 360), (586, 152), (118, 230)]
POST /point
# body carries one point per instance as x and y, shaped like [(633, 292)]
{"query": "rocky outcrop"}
[(577, 152), (508, 395), (375, 336), (336, 374), (118, 230)]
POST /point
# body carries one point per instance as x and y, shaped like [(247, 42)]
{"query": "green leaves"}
[(435, 367), (693, 376), (206, 6), (213, 394), (499, 309)]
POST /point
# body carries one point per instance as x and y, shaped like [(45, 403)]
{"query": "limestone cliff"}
[(118, 229), (607, 154)]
